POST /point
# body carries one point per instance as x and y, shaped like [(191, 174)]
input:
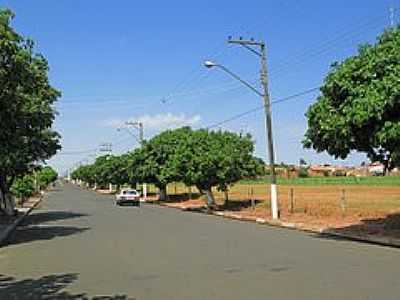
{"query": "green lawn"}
[(316, 181)]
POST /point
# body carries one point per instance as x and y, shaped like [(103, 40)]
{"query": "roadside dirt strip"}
[(361, 237)]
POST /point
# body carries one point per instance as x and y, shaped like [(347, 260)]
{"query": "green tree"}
[(153, 162), (210, 159), (85, 173), (46, 176), (359, 105), (26, 109), (24, 187)]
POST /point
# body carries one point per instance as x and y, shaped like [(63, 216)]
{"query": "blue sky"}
[(142, 60)]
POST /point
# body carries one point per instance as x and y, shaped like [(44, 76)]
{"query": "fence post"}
[(291, 200), (343, 203), (190, 192), (226, 194), (253, 204)]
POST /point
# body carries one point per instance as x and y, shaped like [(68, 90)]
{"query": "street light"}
[(209, 64), (130, 133), (267, 105), (139, 126)]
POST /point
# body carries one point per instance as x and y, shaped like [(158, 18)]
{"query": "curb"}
[(381, 241), (11, 228)]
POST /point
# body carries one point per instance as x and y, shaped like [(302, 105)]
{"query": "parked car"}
[(128, 196)]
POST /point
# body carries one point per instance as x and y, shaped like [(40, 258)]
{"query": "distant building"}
[(327, 170)]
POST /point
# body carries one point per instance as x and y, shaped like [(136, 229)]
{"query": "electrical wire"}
[(285, 99)]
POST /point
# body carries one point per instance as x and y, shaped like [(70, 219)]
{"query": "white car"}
[(128, 196)]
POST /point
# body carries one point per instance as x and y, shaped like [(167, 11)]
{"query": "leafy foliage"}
[(196, 157), (45, 176), (359, 106), (25, 186), (26, 107), (303, 172)]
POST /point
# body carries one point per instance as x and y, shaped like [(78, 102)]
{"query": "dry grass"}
[(317, 205)]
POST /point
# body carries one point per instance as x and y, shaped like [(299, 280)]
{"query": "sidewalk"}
[(9, 224)]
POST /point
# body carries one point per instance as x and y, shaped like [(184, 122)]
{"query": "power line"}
[(79, 152), (299, 59), (238, 116)]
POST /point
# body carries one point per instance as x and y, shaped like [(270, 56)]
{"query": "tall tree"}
[(210, 159), (26, 109), (359, 105), (152, 162)]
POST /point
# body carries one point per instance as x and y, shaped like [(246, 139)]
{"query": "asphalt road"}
[(79, 245)]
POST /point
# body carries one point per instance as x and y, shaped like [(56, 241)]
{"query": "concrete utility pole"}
[(261, 53), (139, 126)]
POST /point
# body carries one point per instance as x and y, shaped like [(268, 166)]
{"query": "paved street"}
[(79, 243)]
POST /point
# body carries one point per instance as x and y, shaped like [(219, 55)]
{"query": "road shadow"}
[(182, 197), (27, 234), (51, 287), (50, 216), (238, 205), (388, 226)]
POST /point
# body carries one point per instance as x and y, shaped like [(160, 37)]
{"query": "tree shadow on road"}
[(46, 287), (49, 216), (28, 234)]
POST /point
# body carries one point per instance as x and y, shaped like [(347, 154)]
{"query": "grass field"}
[(325, 201), (318, 181)]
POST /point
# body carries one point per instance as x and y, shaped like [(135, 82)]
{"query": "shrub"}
[(24, 187), (303, 173)]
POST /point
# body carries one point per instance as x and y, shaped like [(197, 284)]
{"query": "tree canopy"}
[(153, 163), (40, 178), (26, 108), (210, 159), (359, 105), (202, 158)]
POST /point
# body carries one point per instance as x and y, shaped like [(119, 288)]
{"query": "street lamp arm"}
[(241, 80)]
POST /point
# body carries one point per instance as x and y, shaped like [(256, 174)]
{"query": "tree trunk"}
[(226, 200), (9, 204), (163, 193), (210, 198), (6, 198)]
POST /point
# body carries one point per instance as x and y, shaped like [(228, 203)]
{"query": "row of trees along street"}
[(200, 158), (26, 112), (26, 186)]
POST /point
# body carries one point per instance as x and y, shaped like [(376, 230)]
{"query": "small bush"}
[(303, 173), (340, 173), (24, 187)]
